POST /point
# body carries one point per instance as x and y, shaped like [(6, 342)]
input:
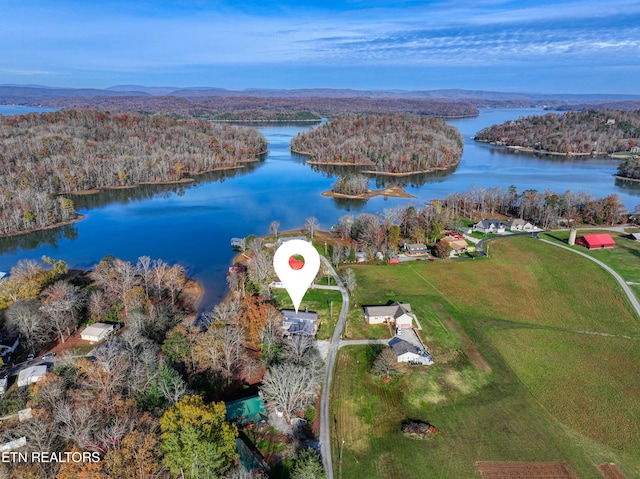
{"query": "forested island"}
[(572, 133), (398, 144), (45, 155)]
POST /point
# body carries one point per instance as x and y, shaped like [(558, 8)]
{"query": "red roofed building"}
[(596, 241)]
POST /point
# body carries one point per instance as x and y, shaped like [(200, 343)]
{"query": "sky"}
[(537, 46)]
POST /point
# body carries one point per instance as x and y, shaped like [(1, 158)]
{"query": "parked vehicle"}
[(49, 356)]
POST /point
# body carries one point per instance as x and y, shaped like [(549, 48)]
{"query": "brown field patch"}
[(610, 470), (469, 348), (525, 470)]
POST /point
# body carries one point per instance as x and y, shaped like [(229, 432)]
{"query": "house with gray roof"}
[(301, 322), (409, 353), (489, 226)]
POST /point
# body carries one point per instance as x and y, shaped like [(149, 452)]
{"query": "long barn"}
[(597, 241)]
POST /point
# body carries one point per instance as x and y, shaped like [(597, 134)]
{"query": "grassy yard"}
[(562, 386), (326, 303)]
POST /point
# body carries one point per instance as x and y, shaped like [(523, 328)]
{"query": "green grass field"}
[(563, 386), (624, 257)]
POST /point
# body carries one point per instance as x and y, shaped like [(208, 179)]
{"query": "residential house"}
[(596, 241), (245, 411), (518, 224), (489, 226), (96, 332), (457, 245), (31, 375), (409, 353), (415, 249), (302, 322), (398, 314)]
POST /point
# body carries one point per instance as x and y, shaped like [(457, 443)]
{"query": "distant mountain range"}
[(25, 92)]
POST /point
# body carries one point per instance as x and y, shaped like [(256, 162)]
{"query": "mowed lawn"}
[(564, 382)]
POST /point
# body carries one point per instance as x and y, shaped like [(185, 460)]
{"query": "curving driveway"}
[(625, 287)]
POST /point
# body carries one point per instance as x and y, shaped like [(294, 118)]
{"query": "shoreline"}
[(93, 191), (625, 178), (393, 192), (529, 149), (79, 217), (370, 163)]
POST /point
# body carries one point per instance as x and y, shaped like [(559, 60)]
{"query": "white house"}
[(408, 353), (519, 224), (96, 332), (489, 226), (398, 314), (31, 375)]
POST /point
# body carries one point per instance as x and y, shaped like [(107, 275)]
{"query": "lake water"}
[(192, 224)]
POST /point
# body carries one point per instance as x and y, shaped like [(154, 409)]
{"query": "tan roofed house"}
[(96, 332)]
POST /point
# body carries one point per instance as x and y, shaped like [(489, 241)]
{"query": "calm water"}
[(192, 224)]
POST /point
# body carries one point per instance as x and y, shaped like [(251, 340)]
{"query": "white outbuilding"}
[(96, 332), (31, 375)]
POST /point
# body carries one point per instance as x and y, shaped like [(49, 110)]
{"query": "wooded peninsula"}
[(571, 133), (387, 144), (45, 155)]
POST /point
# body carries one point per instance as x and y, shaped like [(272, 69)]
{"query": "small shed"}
[(96, 332), (31, 375), (596, 241)]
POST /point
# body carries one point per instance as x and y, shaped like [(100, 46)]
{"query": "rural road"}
[(325, 426), (623, 284)]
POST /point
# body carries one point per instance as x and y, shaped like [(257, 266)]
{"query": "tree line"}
[(575, 132), (48, 154), (398, 143), (213, 105), (384, 232)]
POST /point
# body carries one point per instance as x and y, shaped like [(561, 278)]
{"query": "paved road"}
[(625, 287), (325, 426)]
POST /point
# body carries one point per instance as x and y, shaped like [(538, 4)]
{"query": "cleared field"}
[(583, 380), (563, 385), (624, 257), (525, 281)]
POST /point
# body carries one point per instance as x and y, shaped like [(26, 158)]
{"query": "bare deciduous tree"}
[(25, 317), (385, 363), (349, 278), (311, 225), (290, 387)]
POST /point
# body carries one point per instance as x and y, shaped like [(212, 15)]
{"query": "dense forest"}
[(400, 144), (210, 107), (148, 402), (630, 168), (574, 133), (44, 155)]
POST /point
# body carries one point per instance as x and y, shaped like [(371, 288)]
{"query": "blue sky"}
[(583, 46)]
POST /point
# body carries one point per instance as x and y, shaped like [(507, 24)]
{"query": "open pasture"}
[(562, 346)]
